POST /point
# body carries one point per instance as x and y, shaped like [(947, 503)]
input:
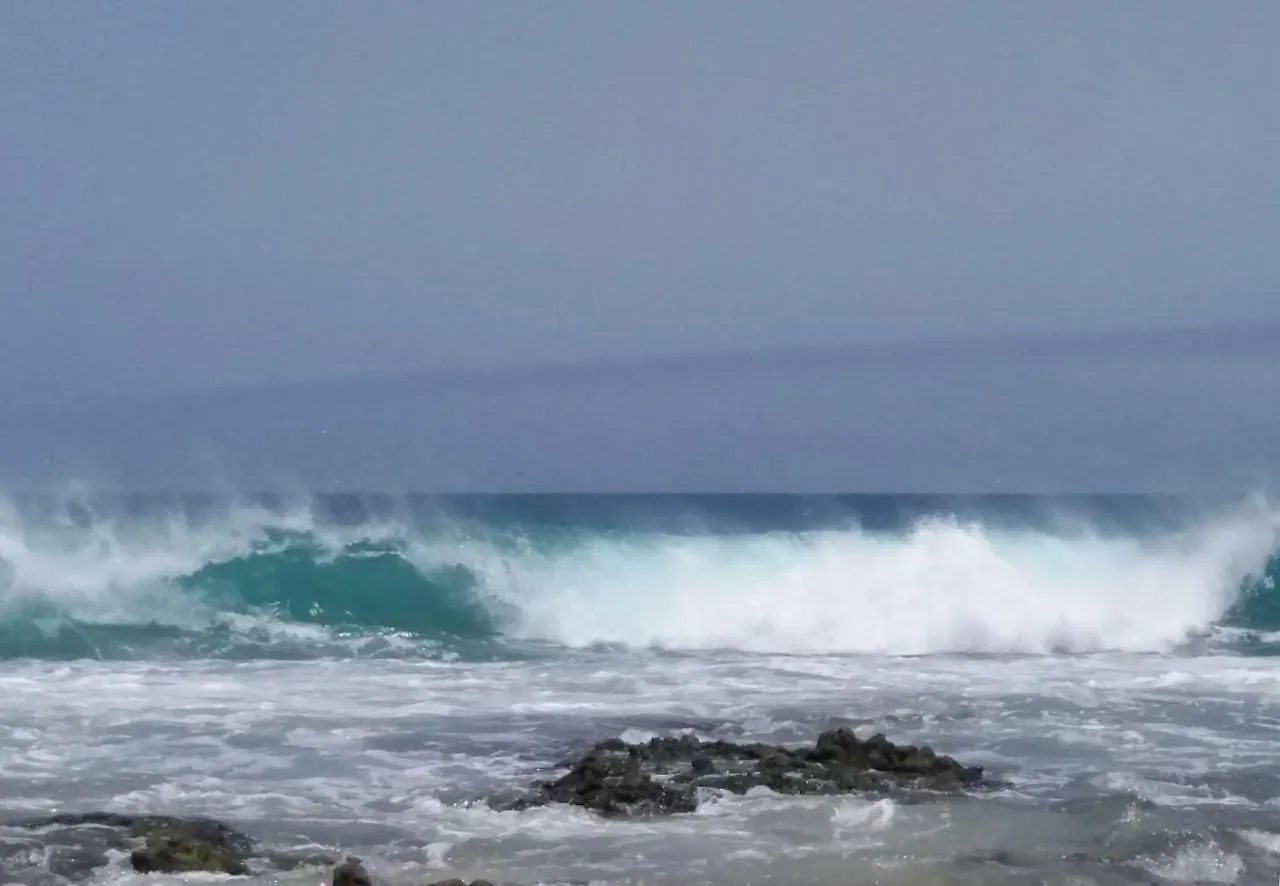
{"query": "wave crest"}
[(942, 587), (256, 581)]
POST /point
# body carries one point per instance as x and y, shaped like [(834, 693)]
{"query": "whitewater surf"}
[(366, 676)]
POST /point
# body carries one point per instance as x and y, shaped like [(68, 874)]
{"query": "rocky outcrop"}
[(663, 775)]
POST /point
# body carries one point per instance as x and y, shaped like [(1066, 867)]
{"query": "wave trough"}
[(255, 581)]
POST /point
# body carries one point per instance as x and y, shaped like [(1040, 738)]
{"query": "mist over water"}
[(248, 579)]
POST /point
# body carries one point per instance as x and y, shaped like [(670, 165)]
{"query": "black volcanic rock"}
[(662, 776)]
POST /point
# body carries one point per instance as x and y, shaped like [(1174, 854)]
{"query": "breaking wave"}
[(256, 581)]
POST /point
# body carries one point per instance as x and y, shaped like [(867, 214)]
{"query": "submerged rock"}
[(174, 847), (662, 776), (164, 844)]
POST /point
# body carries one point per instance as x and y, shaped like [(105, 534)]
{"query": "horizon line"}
[(953, 344), (1029, 343)]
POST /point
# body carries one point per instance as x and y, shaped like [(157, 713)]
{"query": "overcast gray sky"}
[(194, 195), (197, 195)]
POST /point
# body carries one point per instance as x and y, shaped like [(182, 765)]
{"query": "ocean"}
[(363, 674)]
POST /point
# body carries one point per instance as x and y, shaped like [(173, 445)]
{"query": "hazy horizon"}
[(1054, 415), (200, 204), (1261, 332)]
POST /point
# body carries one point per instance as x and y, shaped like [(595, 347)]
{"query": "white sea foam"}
[(1201, 864), (372, 757), (381, 758), (942, 587)]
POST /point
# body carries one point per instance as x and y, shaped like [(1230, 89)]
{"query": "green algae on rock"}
[(167, 844), (181, 846)]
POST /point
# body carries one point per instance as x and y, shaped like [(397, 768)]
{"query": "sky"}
[(196, 196)]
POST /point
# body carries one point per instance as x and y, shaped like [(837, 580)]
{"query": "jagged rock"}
[(662, 775), (618, 785)]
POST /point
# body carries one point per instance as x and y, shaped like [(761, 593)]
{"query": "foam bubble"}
[(1207, 863)]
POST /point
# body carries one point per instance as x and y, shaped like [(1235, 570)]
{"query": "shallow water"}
[(1126, 768)]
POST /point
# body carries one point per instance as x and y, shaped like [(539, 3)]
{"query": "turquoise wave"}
[(364, 599), (364, 586), (271, 584), (1258, 606)]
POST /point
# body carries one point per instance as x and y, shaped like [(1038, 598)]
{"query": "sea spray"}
[(254, 580), (942, 586)]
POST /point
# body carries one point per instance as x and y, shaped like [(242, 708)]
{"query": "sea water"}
[(358, 675)]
